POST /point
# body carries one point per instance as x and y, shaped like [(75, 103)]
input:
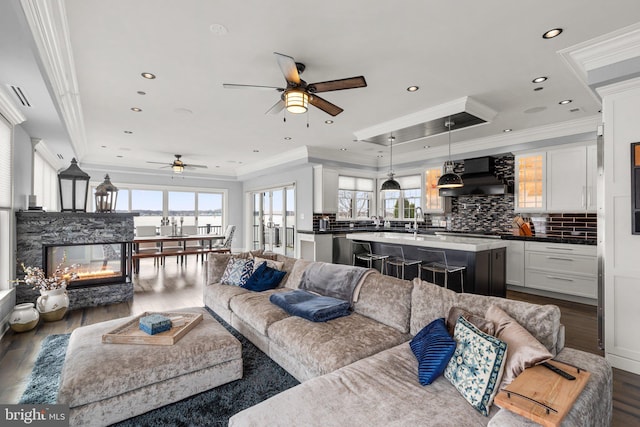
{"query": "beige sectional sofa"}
[(360, 370)]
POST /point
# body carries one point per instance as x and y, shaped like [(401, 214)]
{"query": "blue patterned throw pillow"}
[(433, 347), (477, 364), (237, 272)]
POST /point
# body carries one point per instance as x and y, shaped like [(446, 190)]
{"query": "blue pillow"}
[(433, 347), (264, 278)]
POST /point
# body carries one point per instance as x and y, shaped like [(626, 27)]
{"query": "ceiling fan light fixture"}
[(296, 101), (177, 168)]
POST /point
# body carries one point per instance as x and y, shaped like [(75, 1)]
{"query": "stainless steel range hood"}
[(479, 178)]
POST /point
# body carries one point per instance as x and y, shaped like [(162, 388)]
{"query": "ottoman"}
[(107, 383)]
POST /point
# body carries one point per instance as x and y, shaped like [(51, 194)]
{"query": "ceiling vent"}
[(20, 95), (464, 112)]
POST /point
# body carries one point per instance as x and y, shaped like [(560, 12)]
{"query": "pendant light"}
[(390, 184), (450, 179)]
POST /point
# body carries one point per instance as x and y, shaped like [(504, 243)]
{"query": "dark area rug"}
[(262, 379)]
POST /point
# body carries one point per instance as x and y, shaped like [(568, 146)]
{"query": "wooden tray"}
[(130, 333), (546, 387)]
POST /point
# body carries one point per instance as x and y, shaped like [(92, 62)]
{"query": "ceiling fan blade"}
[(235, 86), (350, 83), (277, 107), (325, 105), (158, 163), (288, 67), (195, 166)]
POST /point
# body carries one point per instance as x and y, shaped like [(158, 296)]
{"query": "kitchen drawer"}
[(562, 263), (562, 283), (586, 250)]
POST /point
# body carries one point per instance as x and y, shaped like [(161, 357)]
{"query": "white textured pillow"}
[(277, 265), (524, 350)]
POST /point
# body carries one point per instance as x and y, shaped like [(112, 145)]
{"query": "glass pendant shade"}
[(296, 101), (450, 179), (177, 168)]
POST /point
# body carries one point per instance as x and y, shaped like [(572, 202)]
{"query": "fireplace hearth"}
[(98, 242)]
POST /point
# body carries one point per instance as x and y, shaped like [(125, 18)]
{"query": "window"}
[(148, 203), (182, 205), (210, 209), (6, 198), (402, 204), (354, 197), (45, 182)]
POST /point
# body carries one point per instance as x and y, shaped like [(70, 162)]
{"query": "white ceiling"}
[(489, 50)]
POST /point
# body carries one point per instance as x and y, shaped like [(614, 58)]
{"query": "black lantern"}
[(106, 196), (74, 188)]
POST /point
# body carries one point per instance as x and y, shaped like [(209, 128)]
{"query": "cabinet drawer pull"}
[(556, 248), (559, 259), (560, 278)]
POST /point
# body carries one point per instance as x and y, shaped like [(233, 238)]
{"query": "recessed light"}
[(538, 88), (149, 76), (552, 33), (256, 151), (119, 156), (140, 92), (343, 149), (506, 130), (329, 122), (413, 88), (565, 102), (379, 156), (136, 109), (103, 146), (287, 138), (128, 132), (426, 146), (539, 79)]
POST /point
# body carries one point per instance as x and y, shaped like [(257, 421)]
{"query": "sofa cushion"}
[(288, 263), (479, 322), (325, 347), (387, 300), (264, 278), (433, 347), (295, 275), (477, 365), (255, 309), (257, 262), (378, 391), (221, 295), (429, 302), (524, 350), (237, 272)]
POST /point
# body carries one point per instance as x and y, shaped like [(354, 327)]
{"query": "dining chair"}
[(396, 258), (436, 262), (192, 230), (225, 246), (147, 247), (362, 252), (178, 245)]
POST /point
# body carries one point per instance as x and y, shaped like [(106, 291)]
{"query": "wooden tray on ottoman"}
[(130, 333), (538, 388)]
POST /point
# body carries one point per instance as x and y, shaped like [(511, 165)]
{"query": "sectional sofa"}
[(360, 370)]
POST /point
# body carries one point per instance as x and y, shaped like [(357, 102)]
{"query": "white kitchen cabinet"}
[(315, 247), (325, 190), (571, 179), (515, 262), (562, 268)]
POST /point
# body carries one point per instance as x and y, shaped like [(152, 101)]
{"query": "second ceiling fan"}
[(298, 93)]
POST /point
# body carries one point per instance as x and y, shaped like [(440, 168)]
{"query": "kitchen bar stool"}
[(397, 259), (436, 262), (362, 251)]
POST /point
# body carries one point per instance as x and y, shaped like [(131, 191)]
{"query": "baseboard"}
[(550, 294), (7, 302)]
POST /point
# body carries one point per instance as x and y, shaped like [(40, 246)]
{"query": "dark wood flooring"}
[(175, 285)]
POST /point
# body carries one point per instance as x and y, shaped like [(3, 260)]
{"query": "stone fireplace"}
[(99, 243)]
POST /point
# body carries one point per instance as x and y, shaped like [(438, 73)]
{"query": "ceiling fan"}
[(298, 93), (178, 165)]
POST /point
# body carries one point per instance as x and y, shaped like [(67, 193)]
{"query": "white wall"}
[(621, 111), (22, 167)]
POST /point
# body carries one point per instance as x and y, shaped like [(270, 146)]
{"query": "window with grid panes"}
[(354, 197)]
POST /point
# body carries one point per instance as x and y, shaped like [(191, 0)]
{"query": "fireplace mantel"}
[(36, 230)]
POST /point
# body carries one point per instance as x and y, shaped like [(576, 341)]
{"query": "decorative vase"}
[(24, 317), (53, 304)]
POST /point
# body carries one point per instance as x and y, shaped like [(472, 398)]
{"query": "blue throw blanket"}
[(316, 308)]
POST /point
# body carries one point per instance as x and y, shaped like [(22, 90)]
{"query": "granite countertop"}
[(460, 243), (552, 239), (342, 230)]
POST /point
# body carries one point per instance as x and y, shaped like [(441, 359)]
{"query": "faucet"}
[(415, 220)]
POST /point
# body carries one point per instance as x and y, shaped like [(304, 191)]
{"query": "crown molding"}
[(296, 154), (41, 147), (602, 51), (47, 21), (621, 87), (9, 109)]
